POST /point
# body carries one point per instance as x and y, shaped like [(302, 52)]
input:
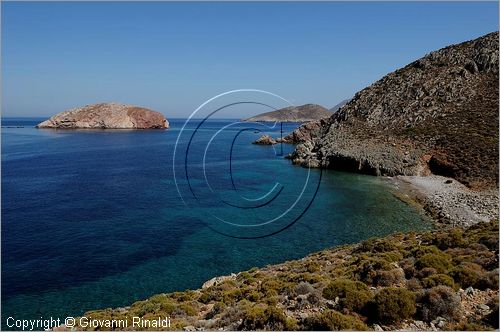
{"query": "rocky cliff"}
[(304, 113), (107, 116), (437, 115)]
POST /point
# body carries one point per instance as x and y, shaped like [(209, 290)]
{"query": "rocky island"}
[(107, 116), (304, 113)]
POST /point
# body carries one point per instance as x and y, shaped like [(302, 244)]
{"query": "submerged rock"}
[(107, 116)]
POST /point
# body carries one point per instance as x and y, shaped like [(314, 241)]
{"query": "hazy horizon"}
[(172, 57)]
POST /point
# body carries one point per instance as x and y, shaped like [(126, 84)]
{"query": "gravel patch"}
[(448, 201)]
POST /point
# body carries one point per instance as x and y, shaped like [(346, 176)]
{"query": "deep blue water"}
[(94, 219)]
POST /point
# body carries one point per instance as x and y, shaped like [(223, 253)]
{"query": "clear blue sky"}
[(173, 56)]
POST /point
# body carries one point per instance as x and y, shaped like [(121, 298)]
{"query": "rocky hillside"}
[(304, 113), (437, 115), (107, 116), (438, 280)]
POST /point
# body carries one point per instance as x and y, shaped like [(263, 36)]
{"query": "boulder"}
[(265, 140)]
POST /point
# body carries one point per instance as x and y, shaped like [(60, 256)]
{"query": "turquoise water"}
[(95, 219)]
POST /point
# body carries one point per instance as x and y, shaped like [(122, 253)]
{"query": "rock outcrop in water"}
[(304, 113), (437, 115), (107, 116), (265, 140)]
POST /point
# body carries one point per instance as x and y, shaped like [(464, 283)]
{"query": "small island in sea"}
[(106, 116)]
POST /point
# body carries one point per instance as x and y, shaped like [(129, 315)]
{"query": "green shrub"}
[(426, 272), (488, 280), (423, 250), (389, 278), (439, 301), (490, 241), (366, 267), (232, 295), (206, 297), (155, 304), (253, 296), (269, 284), (391, 256), (270, 318), (304, 288), (466, 275), (377, 245), (333, 321), (413, 284), (408, 265), (444, 240), (394, 304), (353, 295), (183, 296), (441, 262), (438, 279), (492, 318), (312, 267), (217, 309), (314, 298), (187, 309), (311, 278), (245, 277)]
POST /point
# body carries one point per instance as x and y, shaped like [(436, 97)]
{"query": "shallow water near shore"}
[(95, 219)]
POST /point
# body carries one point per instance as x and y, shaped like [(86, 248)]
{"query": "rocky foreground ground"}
[(436, 280)]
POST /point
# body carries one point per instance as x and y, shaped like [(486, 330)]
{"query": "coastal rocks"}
[(369, 156), (107, 116), (306, 132), (265, 140)]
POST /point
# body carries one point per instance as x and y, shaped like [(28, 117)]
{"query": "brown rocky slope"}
[(437, 115), (107, 116)]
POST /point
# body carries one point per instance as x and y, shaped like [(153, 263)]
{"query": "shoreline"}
[(446, 201)]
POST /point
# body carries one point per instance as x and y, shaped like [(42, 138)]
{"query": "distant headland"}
[(304, 113)]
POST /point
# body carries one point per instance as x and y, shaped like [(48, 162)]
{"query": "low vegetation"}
[(444, 279)]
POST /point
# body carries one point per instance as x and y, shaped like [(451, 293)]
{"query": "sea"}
[(95, 219)]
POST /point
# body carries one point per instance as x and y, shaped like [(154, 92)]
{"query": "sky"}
[(172, 57)]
